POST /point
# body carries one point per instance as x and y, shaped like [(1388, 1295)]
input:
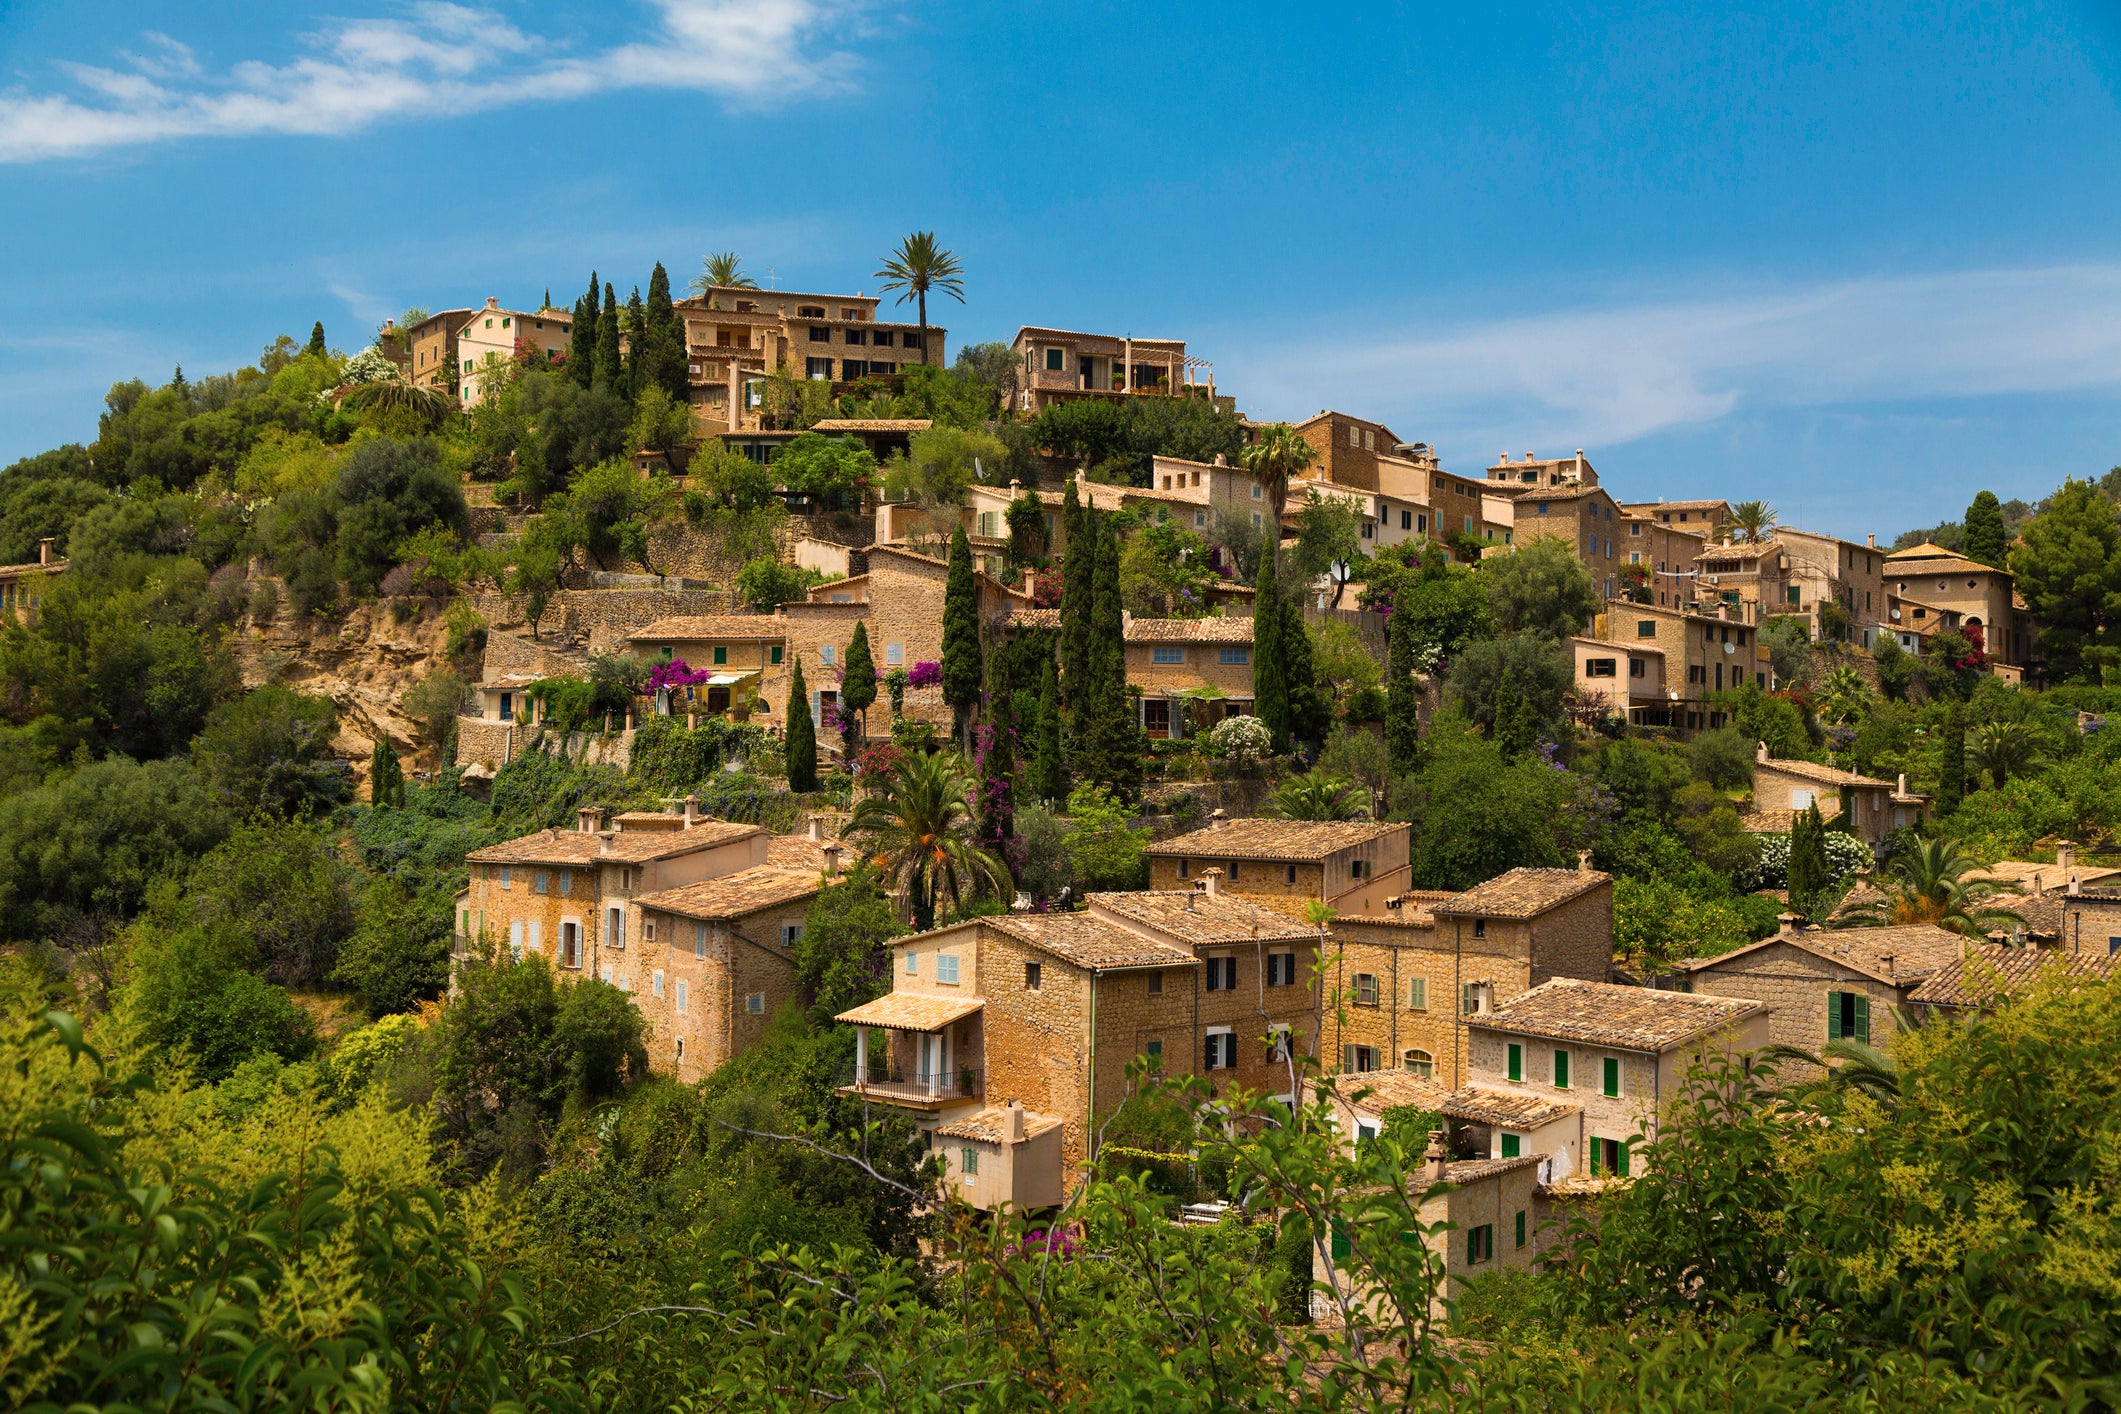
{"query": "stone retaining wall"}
[(494, 744)]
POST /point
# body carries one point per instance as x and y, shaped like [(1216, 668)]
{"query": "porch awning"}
[(725, 679), (910, 1011)]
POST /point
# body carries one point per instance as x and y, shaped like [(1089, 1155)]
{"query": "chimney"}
[(1871, 540), (1901, 789), (44, 549), (2065, 854), (1031, 583), (1583, 861), (1760, 751), (1396, 902), (492, 303), (816, 829), (1787, 925), (1013, 1123), (1221, 460), (1215, 820), (2039, 884), (1189, 899), (2075, 887), (1890, 971), (692, 811), (589, 819), (604, 841), (832, 861), (1437, 1168), (1211, 880)]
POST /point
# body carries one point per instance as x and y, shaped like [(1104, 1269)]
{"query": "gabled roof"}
[(1196, 918), (1375, 1091), (1206, 630), (1825, 775), (1917, 950), (735, 895), (579, 847), (1988, 973), (1505, 1108), (1522, 893), (690, 628), (871, 424), (987, 1125), (1305, 840), (1604, 1014), (911, 1011), (1089, 942)]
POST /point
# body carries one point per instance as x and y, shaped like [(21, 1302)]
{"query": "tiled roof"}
[(1193, 917), (1462, 1171), (2040, 915), (1375, 1091), (1034, 618), (1768, 822), (802, 852), (735, 895), (576, 847), (692, 627), (1273, 839), (985, 1126), (1505, 1107), (911, 1011), (1917, 949), (1601, 1013), (1988, 972), (871, 424), (1672, 505), (1089, 942), (1521, 893), (1413, 910), (2022, 872), (1825, 775), (1638, 646), (1211, 630)]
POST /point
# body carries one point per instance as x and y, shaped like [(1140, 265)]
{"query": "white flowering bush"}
[(370, 365), (1243, 742), (1845, 855)]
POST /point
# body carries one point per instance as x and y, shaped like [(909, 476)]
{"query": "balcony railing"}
[(920, 1086)]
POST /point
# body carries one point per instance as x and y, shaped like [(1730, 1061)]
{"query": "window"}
[(1166, 654), (515, 938), (988, 525), (968, 1162), (506, 875), (881, 338), (1601, 667), (1645, 628), (1480, 927), (819, 334), (1289, 874), (755, 1003), (1609, 1156), (1516, 1062), (946, 968), (817, 370), (1420, 1063), (1233, 871), (830, 653), (699, 940), (1365, 989), (857, 336), (1848, 1017), (1469, 998), (1357, 869), (1182, 867), (1200, 518), (913, 963), (1542, 508), (1801, 799), (1258, 492), (1418, 993), (1561, 1070), (1257, 521), (1636, 668), (913, 339), (648, 931), (1056, 360), (894, 654), (791, 934), (1609, 1078), (570, 944), (1281, 969), (721, 657), (1156, 988), (1355, 436), (1155, 1049), (655, 981), (543, 884), (852, 369), (615, 927), (1520, 1227), (1510, 1145), (1406, 520), (1233, 657), (1278, 1047), (1359, 1060), (1222, 974), (1480, 1244), (1032, 974), (774, 654), (566, 882), (1221, 1049)]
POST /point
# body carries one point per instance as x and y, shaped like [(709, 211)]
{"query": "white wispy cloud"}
[(444, 59), (1614, 371)]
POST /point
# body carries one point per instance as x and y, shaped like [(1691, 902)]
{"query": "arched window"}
[(1421, 1063)]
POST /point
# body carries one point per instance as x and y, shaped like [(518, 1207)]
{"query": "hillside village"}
[(725, 769)]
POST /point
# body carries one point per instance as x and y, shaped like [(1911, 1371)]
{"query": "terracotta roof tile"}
[(1988, 972), (1917, 949), (1767, 822), (802, 852), (1469, 1170), (1089, 942), (1375, 1091), (830, 425), (690, 627), (735, 895), (985, 1126), (1034, 618), (2022, 872), (911, 1011), (574, 847), (1521, 893), (1506, 1108), (1601, 1013), (1814, 771), (1274, 839), (1191, 917), (1209, 630)]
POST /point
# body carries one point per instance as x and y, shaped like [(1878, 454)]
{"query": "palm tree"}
[(399, 394), (1752, 519), (1316, 796), (1278, 456), (722, 272), (920, 831), (1927, 884), (2003, 749), (1845, 693), (1851, 1064), (918, 266)]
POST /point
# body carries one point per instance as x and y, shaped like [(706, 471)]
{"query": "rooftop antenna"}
[(770, 279)]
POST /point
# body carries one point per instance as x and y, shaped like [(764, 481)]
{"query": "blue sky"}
[(1859, 260)]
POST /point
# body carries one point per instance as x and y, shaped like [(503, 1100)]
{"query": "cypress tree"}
[(547, 303), (997, 802), (386, 781), (1310, 708), (640, 357), (962, 672), (802, 734), (316, 338), (1402, 701), (1951, 760), (1108, 652), (1270, 676), (666, 339), (582, 335), (1078, 571), (1985, 538), (1112, 744), (859, 689), (1808, 867), (1049, 769), (608, 372)]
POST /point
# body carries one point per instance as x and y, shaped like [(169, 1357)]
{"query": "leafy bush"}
[(1240, 742), (1845, 855)]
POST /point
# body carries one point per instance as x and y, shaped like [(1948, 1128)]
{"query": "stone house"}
[(1412, 974), (736, 650), (985, 517), (1352, 865), (494, 332), (1666, 553), (1703, 520), (1823, 984), (1982, 598), (1616, 1055), (1386, 520), (432, 344), (1875, 808), (1536, 475), (1703, 654), (1190, 671), (1794, 572), (735, 338), (1058, 365), (22, 587), (1004, 1156), (1583, 517), (1990, 972), (1627, 679), (1345, 448), (1047, 1010)]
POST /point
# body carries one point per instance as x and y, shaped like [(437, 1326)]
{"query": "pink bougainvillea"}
[(925, 675), (675, 674)]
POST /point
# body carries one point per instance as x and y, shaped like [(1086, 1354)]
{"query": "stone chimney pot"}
[(1786, 925), (1438, 1166), (2065, 855), (44, 549), (604, 841), (1583, 861), (1760, 751), (2076, 886), (816, 830), (1013, 1122), (1901, 789), (832, 861), (692, 811), (1211, 880)]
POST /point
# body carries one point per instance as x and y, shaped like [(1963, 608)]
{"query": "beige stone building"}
[(1345, 448), (1875, 808), (1351, 865), (1822, 984), (500, 334), (1047, 1011), (1584, 518), (1977, 599), (735, 338), (1535, 475), (1703, 520), (1410, 975), (738, 651), (1190, 671), (1703, 654), (432, 346), (1792, 573), (1062, 364), (1626, 679), (22, 587), (1668, 555)]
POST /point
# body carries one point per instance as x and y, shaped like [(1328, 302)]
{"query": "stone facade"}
[(734, 338), (433, 342), (1703, 655), (1584, 518), (1796, 984), (1982, 596), (1353, 866), (711, 989), (1345, 448), (1478, 1220)]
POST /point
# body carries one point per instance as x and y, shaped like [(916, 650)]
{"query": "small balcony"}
[(915, 1089)]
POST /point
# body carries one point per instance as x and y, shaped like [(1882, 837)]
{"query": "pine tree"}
[(316, 339), (608, 373), (666, 339), (962, 670), (1985, 536), (1402, 698), (858, 691), (640, 358), (1078, 578), (1951, 760), (582, 335), (386, 780), (1270, 675), (1049, 769), (802, 734)]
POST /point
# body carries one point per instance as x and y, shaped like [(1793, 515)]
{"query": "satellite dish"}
[(1338, 571)]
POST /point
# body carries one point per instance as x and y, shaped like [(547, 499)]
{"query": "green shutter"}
[(1863, 1018), (1472, 1245), (1597, 1148), (1509, 1146), (1520, 1227), (1612, 1076), (1340, 1246), (1561, 1070), (1516, 1061), (1833, 1016), (1625, 1145)]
